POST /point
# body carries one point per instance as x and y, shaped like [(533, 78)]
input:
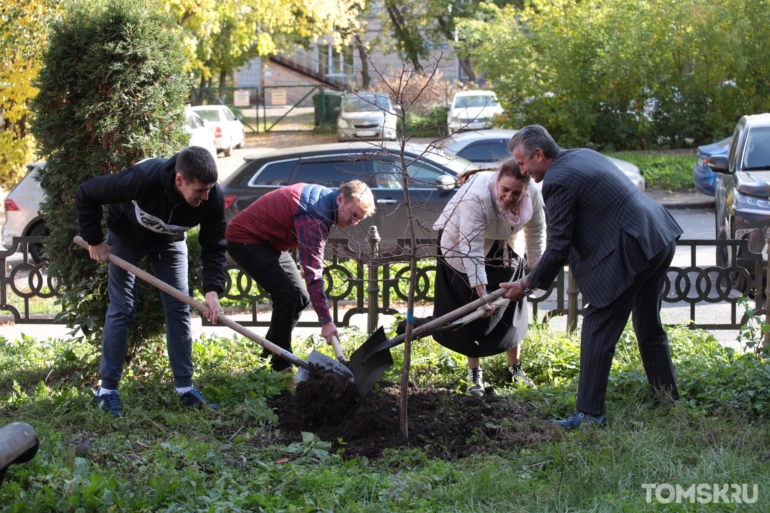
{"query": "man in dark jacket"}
[(620, 244), (151, 206)]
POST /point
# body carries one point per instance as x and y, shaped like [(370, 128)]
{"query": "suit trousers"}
[(602, 328)]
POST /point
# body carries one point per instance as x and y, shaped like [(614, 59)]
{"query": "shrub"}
[(111, 94)]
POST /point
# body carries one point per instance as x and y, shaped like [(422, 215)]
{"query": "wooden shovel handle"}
[(222, 319), (338, 350)]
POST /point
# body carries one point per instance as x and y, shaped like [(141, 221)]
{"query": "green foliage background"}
[(625, 74), (111, 92)]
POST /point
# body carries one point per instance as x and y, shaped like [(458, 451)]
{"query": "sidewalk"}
[(681, 199)]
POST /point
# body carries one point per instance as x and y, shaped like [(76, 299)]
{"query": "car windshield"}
[(454, 162), (365, 103), (462, 102), (208, 115), (757, 152)]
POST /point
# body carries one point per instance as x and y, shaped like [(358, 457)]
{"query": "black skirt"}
[(496, 334)]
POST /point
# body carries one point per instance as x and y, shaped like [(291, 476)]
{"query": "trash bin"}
[(331, 100)]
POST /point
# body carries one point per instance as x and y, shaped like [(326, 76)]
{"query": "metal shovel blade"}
[(370, 361), (323, 361)]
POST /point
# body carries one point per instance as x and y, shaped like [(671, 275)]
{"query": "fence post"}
[(572, 302), (374, 282), (766, 342)]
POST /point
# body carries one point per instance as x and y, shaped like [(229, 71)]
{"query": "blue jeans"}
[(169, 264)]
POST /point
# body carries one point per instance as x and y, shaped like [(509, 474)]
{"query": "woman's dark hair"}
[(507, 167)]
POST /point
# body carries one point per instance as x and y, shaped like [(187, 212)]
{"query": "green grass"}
[(662, 171), (162, 457)]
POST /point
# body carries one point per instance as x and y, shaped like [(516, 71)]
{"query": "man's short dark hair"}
[(196, 163), (532, 137)]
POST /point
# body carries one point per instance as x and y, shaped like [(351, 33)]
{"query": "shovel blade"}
[(377, 362), (323, 361)]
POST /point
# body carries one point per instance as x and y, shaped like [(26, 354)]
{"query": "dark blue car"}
[(705, 178)]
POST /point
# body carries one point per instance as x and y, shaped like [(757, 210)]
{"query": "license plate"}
[(366, 133)]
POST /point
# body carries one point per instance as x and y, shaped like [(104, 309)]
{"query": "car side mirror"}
[(718, 164), (446, 182), (206, 123), (239, 116), (337, 110)]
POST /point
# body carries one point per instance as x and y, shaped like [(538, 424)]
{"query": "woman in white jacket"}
[(477, 229)]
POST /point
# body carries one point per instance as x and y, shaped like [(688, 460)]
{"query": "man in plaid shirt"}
[(299, 216)]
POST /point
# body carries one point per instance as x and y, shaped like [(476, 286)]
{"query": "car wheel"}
[(243, 141), (36, 249), (229, 150)]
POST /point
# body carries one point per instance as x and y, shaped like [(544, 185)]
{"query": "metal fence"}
[(370, 283)]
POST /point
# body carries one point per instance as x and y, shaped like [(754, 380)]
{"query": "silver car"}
[(22, 212), (487, 147), (742, 190), (365, 116)]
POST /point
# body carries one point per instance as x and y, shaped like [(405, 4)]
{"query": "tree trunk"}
[(366, 79), (447, 29), (468, 69), (222, 85), (411, 40)]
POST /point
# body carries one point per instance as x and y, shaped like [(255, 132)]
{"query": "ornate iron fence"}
[(355, 282)]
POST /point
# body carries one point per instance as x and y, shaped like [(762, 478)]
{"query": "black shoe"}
[(518, 376), (109, 403), (195, 399), (475, 382)]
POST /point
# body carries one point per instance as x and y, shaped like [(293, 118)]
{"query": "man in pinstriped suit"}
[(620, 244)]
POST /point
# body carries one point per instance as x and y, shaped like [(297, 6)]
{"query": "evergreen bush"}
[(111, 94)]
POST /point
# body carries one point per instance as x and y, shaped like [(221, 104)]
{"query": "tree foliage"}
[(220, 36), (111, 94), (626, 74), (22, 35)]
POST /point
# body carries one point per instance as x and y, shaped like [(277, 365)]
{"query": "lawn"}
[(262, 453)]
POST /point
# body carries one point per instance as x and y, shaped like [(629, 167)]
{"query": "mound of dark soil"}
[(447, 424)]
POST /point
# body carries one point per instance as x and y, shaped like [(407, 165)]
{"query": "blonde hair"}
[(358, 190)]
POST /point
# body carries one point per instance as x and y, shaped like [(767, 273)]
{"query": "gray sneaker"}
[(518, 376), (475, 383)]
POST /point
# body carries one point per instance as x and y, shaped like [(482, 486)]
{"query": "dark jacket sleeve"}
[(560, 224), (213, 246), (103, 190)]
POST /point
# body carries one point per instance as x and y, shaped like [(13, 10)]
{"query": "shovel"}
[(322, 360), (319, 359), (373, 358)]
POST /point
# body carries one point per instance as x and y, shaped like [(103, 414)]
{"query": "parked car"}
[(366, 116), (472, 110), (487, 147), (227, 128), (433, 178), (703, 177), (742, 190), (200, 133), (22, 212)]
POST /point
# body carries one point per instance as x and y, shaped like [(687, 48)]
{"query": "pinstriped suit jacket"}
[(598, 219)]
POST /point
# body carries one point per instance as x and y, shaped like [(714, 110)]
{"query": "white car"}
[(22, 213), (488, 147), (366, 116), (473, 110), (228, 130), (200, 134)]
